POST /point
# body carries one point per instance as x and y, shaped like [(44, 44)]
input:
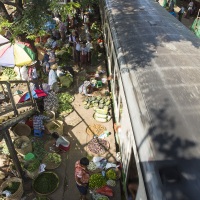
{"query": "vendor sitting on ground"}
[(61, 142)]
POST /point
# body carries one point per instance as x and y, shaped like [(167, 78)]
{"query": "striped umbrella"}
[(18, 54), (3, 40)]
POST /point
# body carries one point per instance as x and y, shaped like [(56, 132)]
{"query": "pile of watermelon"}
[(97, 102), (101, 106)]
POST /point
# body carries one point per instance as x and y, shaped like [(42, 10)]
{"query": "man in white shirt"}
[(89, 48), (77, 47)]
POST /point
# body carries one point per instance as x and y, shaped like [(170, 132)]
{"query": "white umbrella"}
[(3, 40)]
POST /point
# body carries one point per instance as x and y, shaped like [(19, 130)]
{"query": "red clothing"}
[(63, 148), (81, 173)]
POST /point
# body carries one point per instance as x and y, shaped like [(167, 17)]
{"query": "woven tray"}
[(22, 130), (98, 146), (95, 129), (50, 165)]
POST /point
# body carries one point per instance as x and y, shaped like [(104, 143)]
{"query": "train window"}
[(106, 34), (169, 175), (112, 65), (132, 179), (109, 46)]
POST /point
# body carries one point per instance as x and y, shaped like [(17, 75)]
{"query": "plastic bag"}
[(109, 165), (42, 168), (7, 193), (105, 190), (97, 159)]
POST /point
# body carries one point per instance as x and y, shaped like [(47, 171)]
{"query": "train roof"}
[(163, 61)]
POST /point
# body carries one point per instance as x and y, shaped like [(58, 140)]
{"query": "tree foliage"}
[(64, 9), (88, 3), (30, 18)]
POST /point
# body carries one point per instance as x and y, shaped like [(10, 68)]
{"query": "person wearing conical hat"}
[(52, 80)]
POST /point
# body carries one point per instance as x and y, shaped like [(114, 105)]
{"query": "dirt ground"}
[(185, 21), (75, 131)]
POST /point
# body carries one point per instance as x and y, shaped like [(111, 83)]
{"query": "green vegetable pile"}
[(54, 158), (12, 187), (96, 181), (111, 174), (65, 106), (38, 149), (63, 97), (9, 72), (66, 80), (45, 183), (32, 166)]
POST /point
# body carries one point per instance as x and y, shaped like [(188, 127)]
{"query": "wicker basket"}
[(50, 114), (27, 149), (55, 126), (32, 175), (50, 165), (22, 130), (35, 173), (18, 194), (35, 180)]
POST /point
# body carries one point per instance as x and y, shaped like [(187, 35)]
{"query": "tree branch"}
[(19, 8), (4, 12)]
